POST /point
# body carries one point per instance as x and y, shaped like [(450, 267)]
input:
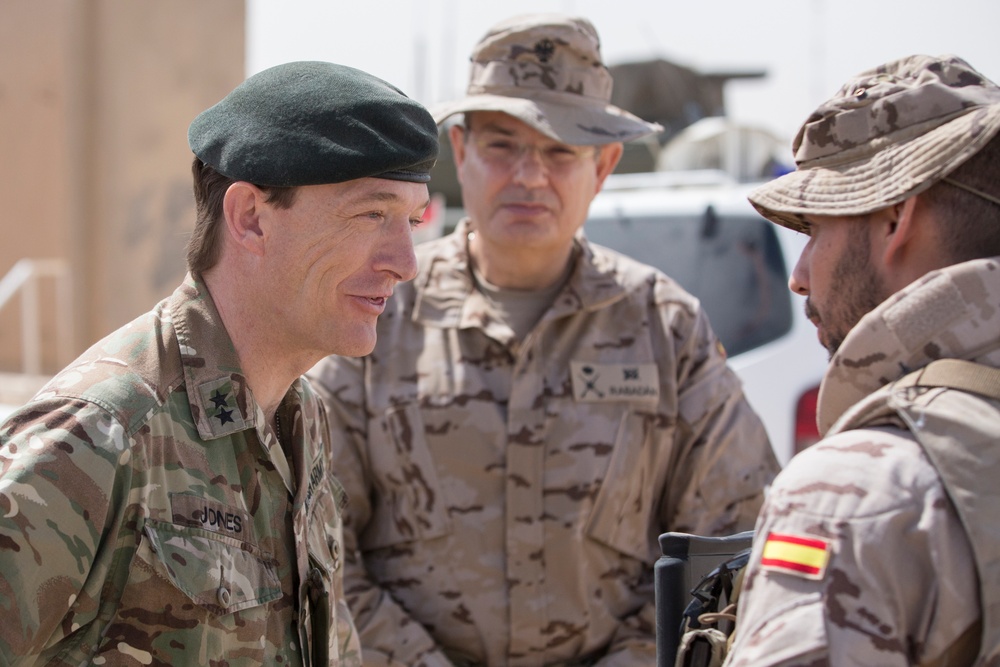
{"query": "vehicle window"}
[(733, 265)]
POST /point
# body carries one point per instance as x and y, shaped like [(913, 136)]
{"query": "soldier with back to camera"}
[(880, 544)]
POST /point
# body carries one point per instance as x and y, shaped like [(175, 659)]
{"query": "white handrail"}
[(24, 276)]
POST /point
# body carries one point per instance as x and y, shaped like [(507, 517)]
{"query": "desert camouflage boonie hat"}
[(888, 134), (546, 70)]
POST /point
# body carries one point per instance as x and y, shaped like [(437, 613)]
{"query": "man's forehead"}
[(502, 123), (810, 221), (371, 189)]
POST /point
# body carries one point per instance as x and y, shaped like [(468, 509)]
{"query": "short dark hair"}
[(209, 192), (969, 224)]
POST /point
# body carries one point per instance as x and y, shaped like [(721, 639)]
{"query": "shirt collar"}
[(447, 297), (221, 402)]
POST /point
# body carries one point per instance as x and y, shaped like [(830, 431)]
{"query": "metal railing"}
[(24, 277)]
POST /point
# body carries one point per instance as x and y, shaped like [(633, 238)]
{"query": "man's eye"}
[(561, 154), (501, 146)]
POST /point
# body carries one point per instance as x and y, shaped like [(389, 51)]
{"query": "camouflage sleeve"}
[(58, 466), (389, 636), (634, 643), (847, 561), (723, 458)]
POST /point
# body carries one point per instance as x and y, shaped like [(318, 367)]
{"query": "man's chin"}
[(832, 345), (358, 344)]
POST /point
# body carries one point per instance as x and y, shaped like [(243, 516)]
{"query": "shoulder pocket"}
[(218, 573)]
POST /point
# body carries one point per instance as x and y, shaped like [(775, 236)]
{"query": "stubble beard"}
[(859, 290)]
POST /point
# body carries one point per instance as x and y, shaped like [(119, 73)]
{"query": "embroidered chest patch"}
[(797, 555), (193, 510), (614, 382)]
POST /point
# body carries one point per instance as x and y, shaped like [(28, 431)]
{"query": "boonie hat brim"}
[(888, 134), (873, 182), (586, 123)]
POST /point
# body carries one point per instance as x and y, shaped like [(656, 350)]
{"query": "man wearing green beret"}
[(168, 498), (538, 409)]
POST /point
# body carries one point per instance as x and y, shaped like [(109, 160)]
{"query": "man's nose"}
[(397, 256), (529, 167), (798, 280)]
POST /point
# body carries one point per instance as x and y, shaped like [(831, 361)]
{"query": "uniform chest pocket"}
[(622, 517), (218, 573), (410, 504)]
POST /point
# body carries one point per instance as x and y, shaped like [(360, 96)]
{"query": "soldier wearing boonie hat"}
[(879, 545), (889, 134), (168, 498), (546, 70), (538, 409)]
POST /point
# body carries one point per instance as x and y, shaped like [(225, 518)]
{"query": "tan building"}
[(95, 100)]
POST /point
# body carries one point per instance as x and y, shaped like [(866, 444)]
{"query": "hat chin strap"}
[(969, 188)]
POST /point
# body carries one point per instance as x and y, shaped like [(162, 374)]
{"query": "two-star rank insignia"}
[(221, 400)]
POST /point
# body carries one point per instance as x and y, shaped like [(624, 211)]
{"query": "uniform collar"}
[(221, 402), (949, 313), (447, 297)]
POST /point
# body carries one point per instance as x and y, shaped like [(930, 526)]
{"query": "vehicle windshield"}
[(732, 264)]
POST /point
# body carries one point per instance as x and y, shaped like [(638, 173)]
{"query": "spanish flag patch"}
[(797, 555)]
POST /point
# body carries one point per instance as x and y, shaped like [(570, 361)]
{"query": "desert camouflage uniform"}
[(507, 495), (148, 515), (901, 584)]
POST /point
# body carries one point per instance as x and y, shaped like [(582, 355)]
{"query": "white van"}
[(699, 228)]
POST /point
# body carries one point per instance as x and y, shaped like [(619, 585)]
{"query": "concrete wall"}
[(95, 100)]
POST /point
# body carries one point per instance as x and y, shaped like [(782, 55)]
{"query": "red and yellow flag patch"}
[(797, 555)]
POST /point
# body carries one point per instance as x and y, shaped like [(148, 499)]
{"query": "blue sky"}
[(808, 47)]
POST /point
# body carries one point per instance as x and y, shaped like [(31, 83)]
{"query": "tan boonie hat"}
[(888, 134), (546, 70)]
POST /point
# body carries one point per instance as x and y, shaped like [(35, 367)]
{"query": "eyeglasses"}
[(503, 151)]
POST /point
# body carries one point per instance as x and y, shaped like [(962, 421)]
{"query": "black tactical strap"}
[(956, 374)]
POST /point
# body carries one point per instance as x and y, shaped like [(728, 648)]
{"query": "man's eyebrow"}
[(381, 195), (386, 196), (493, 127)]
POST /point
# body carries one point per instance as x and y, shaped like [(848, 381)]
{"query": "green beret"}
[(309, 123)]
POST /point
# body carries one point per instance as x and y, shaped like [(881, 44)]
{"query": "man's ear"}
[(898, 230), (456, 136), (607, 160), (241, 209)]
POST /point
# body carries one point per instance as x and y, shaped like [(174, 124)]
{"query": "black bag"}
[(687, 561), (709, 620)]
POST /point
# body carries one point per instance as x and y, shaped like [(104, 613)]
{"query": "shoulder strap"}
[(956, 374), (968, 472)]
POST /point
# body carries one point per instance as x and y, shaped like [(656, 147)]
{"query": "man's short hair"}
[(210, 188), (969, 223)]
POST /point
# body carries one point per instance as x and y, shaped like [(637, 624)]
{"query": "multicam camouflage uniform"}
[(149, 516), (507, 494), (900, 586)]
